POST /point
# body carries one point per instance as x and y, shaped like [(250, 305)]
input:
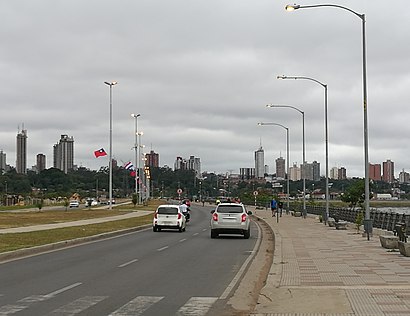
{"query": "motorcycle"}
[(187, 215)]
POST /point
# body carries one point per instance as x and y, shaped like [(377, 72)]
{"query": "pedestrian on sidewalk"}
[(280, 208), (273, 207)]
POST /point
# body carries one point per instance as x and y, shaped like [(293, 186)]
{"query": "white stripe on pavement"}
[(197, 306), (78, 306), (137, 306)]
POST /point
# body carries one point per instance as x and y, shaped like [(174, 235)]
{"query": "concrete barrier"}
[(404, 248), (389, 242)]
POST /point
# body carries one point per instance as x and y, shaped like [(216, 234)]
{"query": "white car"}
[(168, 216), (74, 203), (230, 218)]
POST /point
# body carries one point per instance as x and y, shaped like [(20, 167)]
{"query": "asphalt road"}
[(141, 273)]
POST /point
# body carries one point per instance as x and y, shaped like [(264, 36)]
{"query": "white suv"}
[(230, 218), (168, 216)]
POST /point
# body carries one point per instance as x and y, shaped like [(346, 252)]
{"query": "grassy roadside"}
[(14, 241)]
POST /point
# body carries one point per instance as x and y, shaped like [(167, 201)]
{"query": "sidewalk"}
[(318, 270)]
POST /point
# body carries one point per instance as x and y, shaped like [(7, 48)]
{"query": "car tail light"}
[(243, 217), (179, 215), (156, 215), (215, 217)]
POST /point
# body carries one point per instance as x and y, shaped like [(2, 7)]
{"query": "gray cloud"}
[(200, 73)]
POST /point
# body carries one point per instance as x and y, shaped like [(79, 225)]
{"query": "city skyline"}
[(200, 75)]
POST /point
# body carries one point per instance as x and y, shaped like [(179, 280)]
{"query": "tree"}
[(354, 194)]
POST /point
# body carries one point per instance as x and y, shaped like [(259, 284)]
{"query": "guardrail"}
[(382, 220)]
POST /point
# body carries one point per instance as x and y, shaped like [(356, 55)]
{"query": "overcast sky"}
[(200, 73)]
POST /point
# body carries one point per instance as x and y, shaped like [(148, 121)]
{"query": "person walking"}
[(280, 208), (273, 207)]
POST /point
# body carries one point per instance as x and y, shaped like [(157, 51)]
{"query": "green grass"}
[(15, 241)]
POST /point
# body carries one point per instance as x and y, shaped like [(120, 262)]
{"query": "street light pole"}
[(287, 156), (303, 149), (138, 167), (367, 220), (113, 83), (326, 214), (135, 116)]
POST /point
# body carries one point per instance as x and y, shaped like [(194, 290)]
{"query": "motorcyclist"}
[(185, 210)]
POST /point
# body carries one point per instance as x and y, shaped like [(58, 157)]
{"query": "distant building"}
[(342, 173), (404, 177), (63, 154), (312, 171), (295, 173), (152, 159), (193, 163), (375, 172), (247, 173), (21, 152), (334, 173), (41, 162), (388, 171), (259, 163), (2, 162), (280, 168)]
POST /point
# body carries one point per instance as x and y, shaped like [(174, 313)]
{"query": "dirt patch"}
[(246, 295)]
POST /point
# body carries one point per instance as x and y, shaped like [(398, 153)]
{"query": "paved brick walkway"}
[(319, 271)]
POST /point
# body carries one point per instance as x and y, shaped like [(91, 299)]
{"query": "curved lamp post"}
[(326, 215), (303, 150), (135, 116), (111, 84), (287, 156), (367, 220)]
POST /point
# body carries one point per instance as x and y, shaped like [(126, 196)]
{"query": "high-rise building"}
[(41, 162), (194, 163), (334, 173), (404, 177), (152, 159), (295, 174), (247, 173), (375, 172), (342, 173), (2, 162), (388, 171), (21, 152), (259, 163), (316, 170), (63, 154), (312, 171), (280, 168)]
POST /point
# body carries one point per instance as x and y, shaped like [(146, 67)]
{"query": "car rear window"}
[(230, 209), (167, 210)]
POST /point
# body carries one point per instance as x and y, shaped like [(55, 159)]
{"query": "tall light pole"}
[(367, 220), (303, 149), (326, 214), (287, 156), (139, 173), (135, 116), (111, 84)]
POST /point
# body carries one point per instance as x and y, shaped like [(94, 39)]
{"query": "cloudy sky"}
[(200, 73)]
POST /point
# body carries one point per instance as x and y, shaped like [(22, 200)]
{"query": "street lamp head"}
[(292, 7), (135, 115), (113, 83), (281, 77)]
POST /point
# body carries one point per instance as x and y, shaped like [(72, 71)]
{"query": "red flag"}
[(100, 153)]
